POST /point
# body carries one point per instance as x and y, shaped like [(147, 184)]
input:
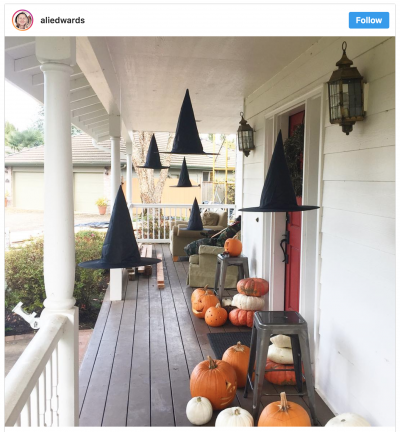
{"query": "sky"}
[(20, 108)]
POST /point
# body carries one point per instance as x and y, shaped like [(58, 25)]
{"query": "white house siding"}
[(355, 360)]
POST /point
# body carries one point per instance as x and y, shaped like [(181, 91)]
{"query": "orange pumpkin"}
[(253, 287), (283, 413), (281, 377), (198, 292), (200, 307), (216, 316), (233, 247), (214, 380), (240, 317), (238, 356)]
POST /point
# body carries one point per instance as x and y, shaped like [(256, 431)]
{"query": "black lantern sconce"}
[(245, 135), (346, 94)]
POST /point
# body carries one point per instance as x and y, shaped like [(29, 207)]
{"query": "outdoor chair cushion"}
[(209, 218)]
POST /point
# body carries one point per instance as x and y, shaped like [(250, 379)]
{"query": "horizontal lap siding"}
[(356, 353)]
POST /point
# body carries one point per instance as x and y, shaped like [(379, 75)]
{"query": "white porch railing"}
[(32, 385), (152, 222)]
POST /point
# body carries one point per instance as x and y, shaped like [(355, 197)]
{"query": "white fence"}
[(32, 386), (152, 222)]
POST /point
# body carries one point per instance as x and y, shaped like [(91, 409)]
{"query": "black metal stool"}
[(265, 325), (223, 262)]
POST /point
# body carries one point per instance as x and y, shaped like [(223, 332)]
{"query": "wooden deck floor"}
[(137, 366)]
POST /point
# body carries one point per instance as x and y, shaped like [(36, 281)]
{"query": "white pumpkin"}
[(234, 417), (244, 302), (226, 302), (281, 341), (199, 410), (280, 355), (347, 420)]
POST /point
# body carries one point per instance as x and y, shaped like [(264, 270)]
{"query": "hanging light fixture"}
[(346, 96), (245, 135)]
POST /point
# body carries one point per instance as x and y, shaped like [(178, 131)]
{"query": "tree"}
[(9, 130), (26, 138), (150, 192)]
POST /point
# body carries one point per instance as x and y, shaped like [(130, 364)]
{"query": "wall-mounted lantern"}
[(245, 135), (346, 96)]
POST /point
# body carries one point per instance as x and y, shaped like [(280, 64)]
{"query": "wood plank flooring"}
[(137, 367)]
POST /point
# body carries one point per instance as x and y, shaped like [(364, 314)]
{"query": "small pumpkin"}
[(282, 413), (238, 357), (199, 410), (239, 317), (254, 287), (233, 247), (281, 377), (216, 316), (214, 380), (234, 417), (242, 301), (347, 420), (281, 341), (199, 292), (200, 307), (280, 355)]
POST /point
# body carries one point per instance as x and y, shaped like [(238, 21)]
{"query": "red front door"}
[(293, 246)]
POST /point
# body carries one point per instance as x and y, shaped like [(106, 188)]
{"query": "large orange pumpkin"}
[(214, 380), (198, 292), (233, 247), (240, 317), (200, 307), (216, 316), (238, 356), (281, 377), (253, 287), (284, 413)]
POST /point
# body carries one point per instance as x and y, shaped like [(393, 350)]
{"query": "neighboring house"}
[(24, 175)]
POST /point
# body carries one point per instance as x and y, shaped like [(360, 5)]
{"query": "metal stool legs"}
[(222, 278), (296, 352), (217, 275), (252, 359)]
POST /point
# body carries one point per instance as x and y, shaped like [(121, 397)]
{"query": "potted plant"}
[(6, 195), (102, 205)]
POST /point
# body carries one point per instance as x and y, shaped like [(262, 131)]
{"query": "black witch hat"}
[(120, 249), (184, 180), (278, 192), (195, 223), (187, 139), (153, 157)]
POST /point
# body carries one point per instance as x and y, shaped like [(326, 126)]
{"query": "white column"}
[(57, 55), (115, 168), (129, 172)]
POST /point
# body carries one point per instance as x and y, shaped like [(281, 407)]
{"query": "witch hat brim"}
[(153, 157), (187, 139), (120, 249), (195, 223), (184, 180), (278, 193)]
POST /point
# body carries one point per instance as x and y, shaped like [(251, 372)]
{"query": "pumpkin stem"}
[(239, 347), (205, 288), (236, 236), (217, 305), (237, 412), (199, 399), (284, 406), (213, 364)]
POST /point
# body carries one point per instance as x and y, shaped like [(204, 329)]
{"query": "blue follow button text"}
[(368, 20)]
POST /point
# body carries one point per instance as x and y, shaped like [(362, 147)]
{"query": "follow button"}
[(368, 20)]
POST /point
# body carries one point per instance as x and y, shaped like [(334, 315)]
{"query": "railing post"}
[(57, 56), (129, 172)]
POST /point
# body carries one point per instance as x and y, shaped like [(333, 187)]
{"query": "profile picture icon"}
[(22, 20)]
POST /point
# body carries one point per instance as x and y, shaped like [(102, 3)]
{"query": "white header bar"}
[(222, 19)]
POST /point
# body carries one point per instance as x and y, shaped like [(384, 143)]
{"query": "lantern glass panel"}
[(334, 92), (247, 140), (354, 97), (240, 140)]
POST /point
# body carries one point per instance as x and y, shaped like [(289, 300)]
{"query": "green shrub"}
[(24, 274)]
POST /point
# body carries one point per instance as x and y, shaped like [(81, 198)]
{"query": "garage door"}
[(28, 190), (88, 187)]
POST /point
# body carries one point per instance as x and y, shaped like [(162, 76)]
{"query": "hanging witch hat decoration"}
[(184, 180), (153, 156), (278, 192), (187, 139), (195, 223), (120, 249)]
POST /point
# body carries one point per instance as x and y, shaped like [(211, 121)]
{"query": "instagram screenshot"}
[(199, 223)]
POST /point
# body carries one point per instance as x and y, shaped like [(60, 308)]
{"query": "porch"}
[(137, 367)]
